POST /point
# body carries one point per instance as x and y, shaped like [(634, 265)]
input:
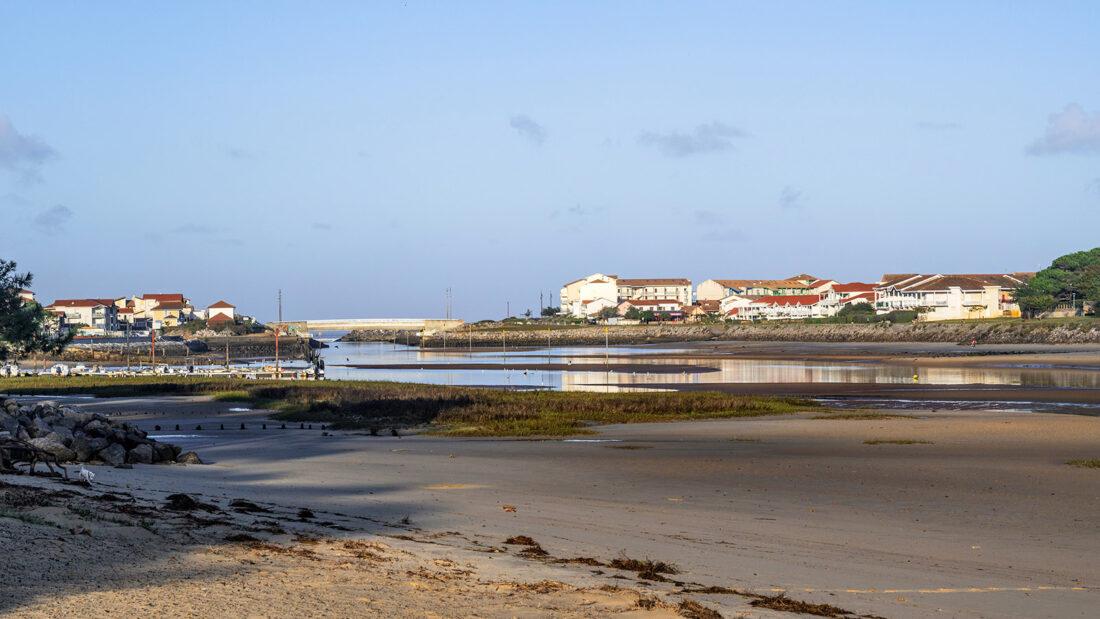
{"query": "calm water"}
[(727, 370)]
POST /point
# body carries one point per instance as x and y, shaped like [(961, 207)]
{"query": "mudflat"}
[(959, 513)]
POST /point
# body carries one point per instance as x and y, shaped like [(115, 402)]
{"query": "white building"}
[(94, 315), (950, 297), (223, 308), (678, 289), (585, 297), (718, 289)]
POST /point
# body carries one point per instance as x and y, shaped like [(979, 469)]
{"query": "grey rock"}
[(189, 457), (97, 427), (40, 427), (113, 455), (54, 448), (82, 447), (163, 452), (142, 454)]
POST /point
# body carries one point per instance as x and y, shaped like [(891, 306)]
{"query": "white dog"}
[(85, 475)]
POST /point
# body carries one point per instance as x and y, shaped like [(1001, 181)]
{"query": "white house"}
[(221, 307), (651, 305), (788, 307), (951, 297), (96, 315)]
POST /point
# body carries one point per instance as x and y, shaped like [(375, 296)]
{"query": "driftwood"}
[(14, 451)]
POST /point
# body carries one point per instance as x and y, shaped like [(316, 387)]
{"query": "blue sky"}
[(364, 157)]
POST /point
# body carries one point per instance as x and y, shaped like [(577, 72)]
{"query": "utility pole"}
[(278, 327)]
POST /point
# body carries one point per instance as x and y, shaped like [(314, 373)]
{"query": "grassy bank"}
[(453, 411)]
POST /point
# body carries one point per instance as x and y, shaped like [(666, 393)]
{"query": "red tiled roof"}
[(710, 306), (126, 310), (170, 305), (219, 318), (80, 302), (789, 299), (221, 304), (870, 296), (655, 282), (819, 282), (854, 287), (175, 296)]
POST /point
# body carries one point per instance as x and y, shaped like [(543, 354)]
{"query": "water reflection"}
[(600, 379)]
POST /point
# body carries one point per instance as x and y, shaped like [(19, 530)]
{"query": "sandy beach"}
[(969, 514)]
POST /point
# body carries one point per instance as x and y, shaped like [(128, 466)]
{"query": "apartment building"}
[(951, 297), (674, 289), (93, 315), (718, 289), (587, 296)]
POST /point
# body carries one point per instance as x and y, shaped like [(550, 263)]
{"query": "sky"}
[(364, 157)]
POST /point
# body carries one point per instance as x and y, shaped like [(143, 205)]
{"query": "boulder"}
[(97, 427), (113, 455), (54, 447), (189, 457), (83, 448), (142, 454), (163, 452)]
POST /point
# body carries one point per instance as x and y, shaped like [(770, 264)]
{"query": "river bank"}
[(997, 331), (927, 513), (176, 351)]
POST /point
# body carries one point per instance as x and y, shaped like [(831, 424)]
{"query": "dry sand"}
[(986, 520)]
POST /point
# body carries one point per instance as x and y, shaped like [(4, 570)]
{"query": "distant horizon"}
[(366, 157)]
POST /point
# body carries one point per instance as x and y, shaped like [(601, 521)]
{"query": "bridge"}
[(426, 325)]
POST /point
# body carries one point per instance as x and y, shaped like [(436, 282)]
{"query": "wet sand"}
[(986, 520)]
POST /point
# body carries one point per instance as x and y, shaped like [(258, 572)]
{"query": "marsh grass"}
[(450, 411), (1092, 463), (860, 416)]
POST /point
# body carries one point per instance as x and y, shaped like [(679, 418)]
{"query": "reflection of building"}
[(951, 297)]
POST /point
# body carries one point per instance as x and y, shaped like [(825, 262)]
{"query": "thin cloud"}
[(723, 235), (705, 217), (53, 220), (193, 230), (22, 154), (1073, 130), (528, 129), (929, 125), (14, 199), (709, 138), (790, 198), (239, 154), (321, 225)]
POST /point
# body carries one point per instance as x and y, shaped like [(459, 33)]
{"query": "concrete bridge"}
[(427, 325)]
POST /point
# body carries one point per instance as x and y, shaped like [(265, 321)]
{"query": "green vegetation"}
[(904, 441), (863, 416), (550, 310), (453, 411), (864, 313), (23, 326), (1071, 278), (1093, 463)]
